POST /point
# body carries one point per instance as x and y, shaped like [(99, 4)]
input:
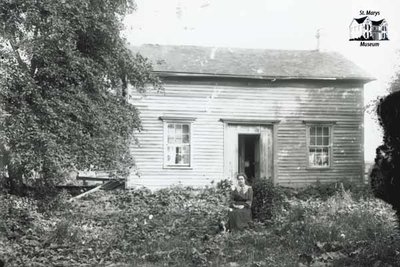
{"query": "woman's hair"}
[(242, 174)]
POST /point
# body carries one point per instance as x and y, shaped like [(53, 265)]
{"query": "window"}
[(319, 146), (177, 142)]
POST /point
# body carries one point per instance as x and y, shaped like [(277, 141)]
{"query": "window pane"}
[(325, 157), (185, 158), (326, 131), (319, 140), (178, 159), (178, 155), (171, 130), (171, 155), (312, 157), (326, 141), (318, 159), (312, 141), (185, 138), (319, 131), (178, 136), (312, 130), (171, 140), (185, 149), (185, 128), (178, 133)]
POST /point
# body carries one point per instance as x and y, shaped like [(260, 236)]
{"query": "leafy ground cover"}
[(179, 227)]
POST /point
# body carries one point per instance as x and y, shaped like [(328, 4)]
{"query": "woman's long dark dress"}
[(240, 218)]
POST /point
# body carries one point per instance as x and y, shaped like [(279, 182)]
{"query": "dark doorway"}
[(249, 155)]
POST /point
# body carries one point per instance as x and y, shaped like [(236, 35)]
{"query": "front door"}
[(249, 155), (248, 149)]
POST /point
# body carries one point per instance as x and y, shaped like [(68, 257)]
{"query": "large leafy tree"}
[(64, 77), (385, 175)]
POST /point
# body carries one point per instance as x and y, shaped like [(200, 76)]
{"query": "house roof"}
[(361, 20), (378, 22), (250, 63)]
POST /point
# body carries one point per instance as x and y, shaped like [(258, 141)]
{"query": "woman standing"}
[(242, 197)]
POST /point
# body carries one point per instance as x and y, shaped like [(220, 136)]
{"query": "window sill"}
[(318, 168), (178, 167)]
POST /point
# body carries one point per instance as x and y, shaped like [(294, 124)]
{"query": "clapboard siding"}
[(291, 104)]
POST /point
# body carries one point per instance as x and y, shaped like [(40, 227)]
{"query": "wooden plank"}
[(97, 188), (257, 158), (241, 154), (264, 153)]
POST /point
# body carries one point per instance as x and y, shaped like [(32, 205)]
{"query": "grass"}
[(179, 227)]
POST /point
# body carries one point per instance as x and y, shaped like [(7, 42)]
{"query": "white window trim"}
[(310, 124), (184, 120)]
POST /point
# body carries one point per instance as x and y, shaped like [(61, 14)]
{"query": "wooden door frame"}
[(273, 124)]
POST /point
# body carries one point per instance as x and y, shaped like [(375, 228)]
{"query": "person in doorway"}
[(241, 199)]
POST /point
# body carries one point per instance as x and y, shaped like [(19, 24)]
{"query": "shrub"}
[(224, 185), (318, 190), (358, 191), (64, 232), (324, 191), (17, 216), (59, 202), (266, 199)]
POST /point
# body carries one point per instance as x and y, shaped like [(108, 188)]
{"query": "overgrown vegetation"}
[(179, 227), (267, 199), (64, 76)]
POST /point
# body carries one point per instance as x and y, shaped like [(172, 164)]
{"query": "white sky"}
[(281, 24)]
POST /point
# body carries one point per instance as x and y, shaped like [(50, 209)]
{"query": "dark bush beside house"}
[(266, 199), (224, 186), (385, 174)]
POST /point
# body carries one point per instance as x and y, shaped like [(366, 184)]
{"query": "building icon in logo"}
[(364, 28)]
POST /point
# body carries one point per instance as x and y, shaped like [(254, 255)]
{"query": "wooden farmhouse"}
[(293, 116)]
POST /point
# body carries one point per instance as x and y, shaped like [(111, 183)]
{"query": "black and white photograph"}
[(199, 133)]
